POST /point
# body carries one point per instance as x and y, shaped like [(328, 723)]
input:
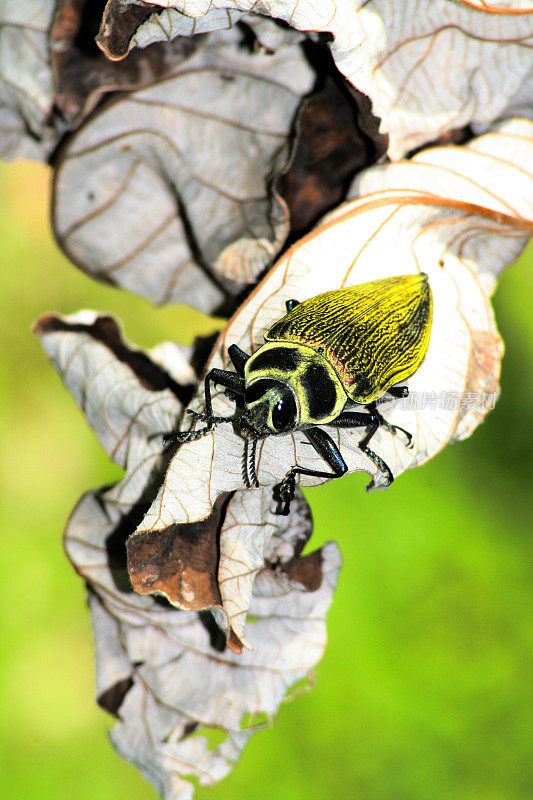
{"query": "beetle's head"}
[(269, 408)]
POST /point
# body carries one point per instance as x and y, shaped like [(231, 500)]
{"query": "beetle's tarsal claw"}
[(192, 436), (408, 436), (395, 429), (283, 494), (180, 437)]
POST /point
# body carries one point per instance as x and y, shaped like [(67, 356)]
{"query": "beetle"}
[(343, 348)]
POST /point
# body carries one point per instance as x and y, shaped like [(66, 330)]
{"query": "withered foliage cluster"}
[(195, 149)]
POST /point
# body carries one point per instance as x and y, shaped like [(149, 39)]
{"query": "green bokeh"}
[(425, 690)]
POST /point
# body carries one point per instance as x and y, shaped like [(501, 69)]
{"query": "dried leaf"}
[(167, 674), (427, 67), (126, 25), (149, 22), (442, 65), (131, 402), (166, 193), (330, 147), (170, 669), (461, 234), (26, 90), (82, 73), (123, 393)]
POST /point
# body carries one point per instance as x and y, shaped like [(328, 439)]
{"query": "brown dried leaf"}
[(154, 195), (179, 562), (82, 73), (118, 25), (330, 147)]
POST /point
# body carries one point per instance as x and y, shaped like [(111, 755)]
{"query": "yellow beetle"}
[(327, 354)]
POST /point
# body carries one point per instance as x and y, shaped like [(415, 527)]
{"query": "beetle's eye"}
[(284, 413)]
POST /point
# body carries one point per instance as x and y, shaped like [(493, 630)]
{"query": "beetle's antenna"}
[(244, 471), (251, 465)]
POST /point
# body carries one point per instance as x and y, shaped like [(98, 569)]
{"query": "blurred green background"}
[(425, 689)]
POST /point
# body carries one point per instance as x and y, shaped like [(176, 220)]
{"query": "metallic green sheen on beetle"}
[(327, 355)]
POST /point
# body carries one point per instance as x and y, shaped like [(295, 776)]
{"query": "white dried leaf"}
[(164, 672), (166, 191), (249, 533), (458, 231), (159, 669), (491, 171), (26, 89), (428, 66), (163, 25), (173, 18), (435, 65), (119, 389)]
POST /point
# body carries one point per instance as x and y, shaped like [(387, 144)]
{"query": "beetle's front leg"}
[(218, 376), (238, 358), (325, 447)]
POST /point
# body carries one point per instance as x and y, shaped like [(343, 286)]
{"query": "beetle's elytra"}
[(340, 349)]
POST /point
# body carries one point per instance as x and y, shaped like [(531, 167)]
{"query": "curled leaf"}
[(166, 673), (128, 24), (172, 677), (154, 195), (427, 68), (461, 234), (130, 401), (171, 18), (441, 65), (124, 394)]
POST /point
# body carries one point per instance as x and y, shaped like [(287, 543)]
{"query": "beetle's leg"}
[(387, 425), (325, 447), (219, 376), (205, 418), (372, 420), (290, 304), (238, 359)]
